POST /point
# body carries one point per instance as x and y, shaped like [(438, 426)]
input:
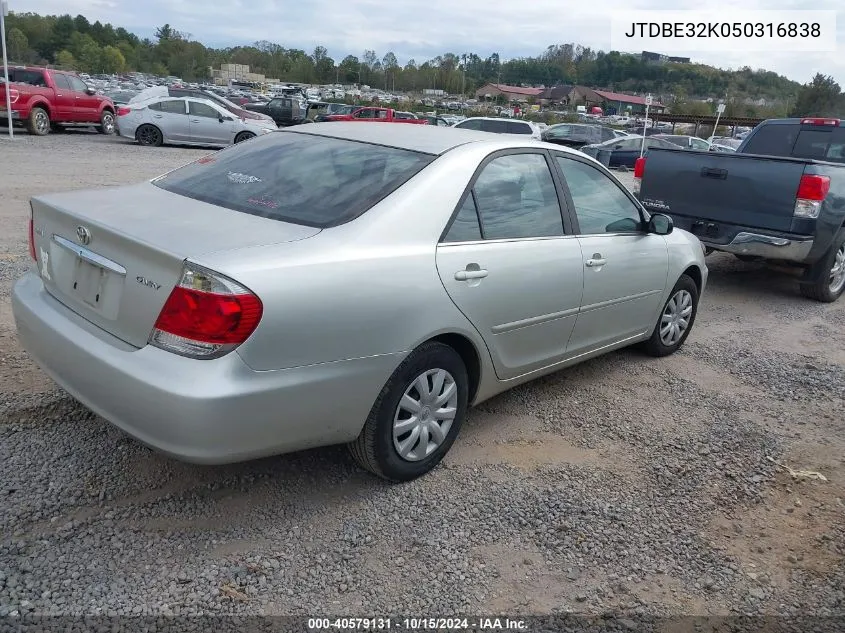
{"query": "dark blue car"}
[(623, 152)]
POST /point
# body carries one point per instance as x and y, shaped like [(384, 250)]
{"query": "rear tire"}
[(106, 123), (244, 136), (676, 319), (411, 428), (38, 122), (149, 135), (831, 280)]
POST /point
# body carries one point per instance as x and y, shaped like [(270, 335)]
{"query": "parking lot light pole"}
[(645, 125), (4, 10)]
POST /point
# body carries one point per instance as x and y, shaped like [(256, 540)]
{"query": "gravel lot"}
[(626, 485)]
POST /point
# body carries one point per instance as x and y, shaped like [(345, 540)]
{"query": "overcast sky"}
[(422, 29)]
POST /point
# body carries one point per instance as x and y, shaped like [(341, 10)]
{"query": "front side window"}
[(517, 198), (517, 127), (600, 205), (497, 126), (76, 84), (273, 176), (62, 82), (366, 113)]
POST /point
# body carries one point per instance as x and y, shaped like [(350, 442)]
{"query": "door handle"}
[(595, 262), (195, 121), (465, 275), (157, 116)]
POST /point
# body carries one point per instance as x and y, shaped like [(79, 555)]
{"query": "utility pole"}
[(4, 9)]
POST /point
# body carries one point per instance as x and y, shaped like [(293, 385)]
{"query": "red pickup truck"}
[(378, 115), (44, 99)]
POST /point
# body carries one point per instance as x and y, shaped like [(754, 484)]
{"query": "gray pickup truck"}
[(780, 197)]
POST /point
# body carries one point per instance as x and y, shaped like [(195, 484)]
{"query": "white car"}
[(186, 121), (500, 126)]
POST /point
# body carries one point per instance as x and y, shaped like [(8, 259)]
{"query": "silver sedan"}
[(186, 121), (345, 283)]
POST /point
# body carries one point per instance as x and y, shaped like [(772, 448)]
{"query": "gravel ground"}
[(625, 485)]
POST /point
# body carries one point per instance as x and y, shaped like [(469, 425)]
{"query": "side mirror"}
[(90, 91), (660, 224)]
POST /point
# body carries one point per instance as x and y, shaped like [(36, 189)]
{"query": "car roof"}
[(428, 139)]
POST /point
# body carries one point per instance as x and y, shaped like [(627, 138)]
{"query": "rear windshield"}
[(799, 141), (296, 177)]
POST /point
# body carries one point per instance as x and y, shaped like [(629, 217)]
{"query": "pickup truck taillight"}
[(812, 191), (14, 95), (639, 170), (639, 167), (121, 111)]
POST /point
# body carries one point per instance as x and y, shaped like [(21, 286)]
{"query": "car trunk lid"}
[(113, 255)]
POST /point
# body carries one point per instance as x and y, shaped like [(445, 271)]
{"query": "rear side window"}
[(607, 134), (517, 127), (470, 124), (273, 176)]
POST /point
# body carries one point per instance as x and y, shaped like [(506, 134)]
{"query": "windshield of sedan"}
[(300, 178)]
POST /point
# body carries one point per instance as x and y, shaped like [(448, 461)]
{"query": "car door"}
[(280, 110), (624, 152), (510, 263), (171, 117), (65, 100), (209, 125), (87, 107), (625, 268)]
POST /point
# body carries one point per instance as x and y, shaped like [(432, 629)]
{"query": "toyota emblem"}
[(83, 235)]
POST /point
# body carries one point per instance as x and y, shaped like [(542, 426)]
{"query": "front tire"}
[(38, 122), (149, 135), (417, 415), (676, 319), (244, 136), (106, 123), (831, 281)]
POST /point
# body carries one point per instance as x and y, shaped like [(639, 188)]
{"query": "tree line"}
[(76, 43)]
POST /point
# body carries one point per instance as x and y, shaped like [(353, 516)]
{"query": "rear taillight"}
[(14, 95), (121, 111), (820, 121), (206, 315), (32, 238), (812, 191), (639, 167)]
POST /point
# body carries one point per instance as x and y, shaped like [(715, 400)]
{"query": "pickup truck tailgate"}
[(740, 189)]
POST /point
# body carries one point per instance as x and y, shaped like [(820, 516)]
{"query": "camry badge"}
[(83, 235)]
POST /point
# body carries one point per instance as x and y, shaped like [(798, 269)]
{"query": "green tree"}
[(17, 45), (821, 97), (65, 59), (112, 60)]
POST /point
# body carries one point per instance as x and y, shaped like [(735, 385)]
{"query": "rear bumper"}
[(4, 114), (744, 240), (213, 412), (795, 249)]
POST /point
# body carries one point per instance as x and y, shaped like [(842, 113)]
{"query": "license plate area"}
[(86, 278), (703, 228), (89, 283)]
